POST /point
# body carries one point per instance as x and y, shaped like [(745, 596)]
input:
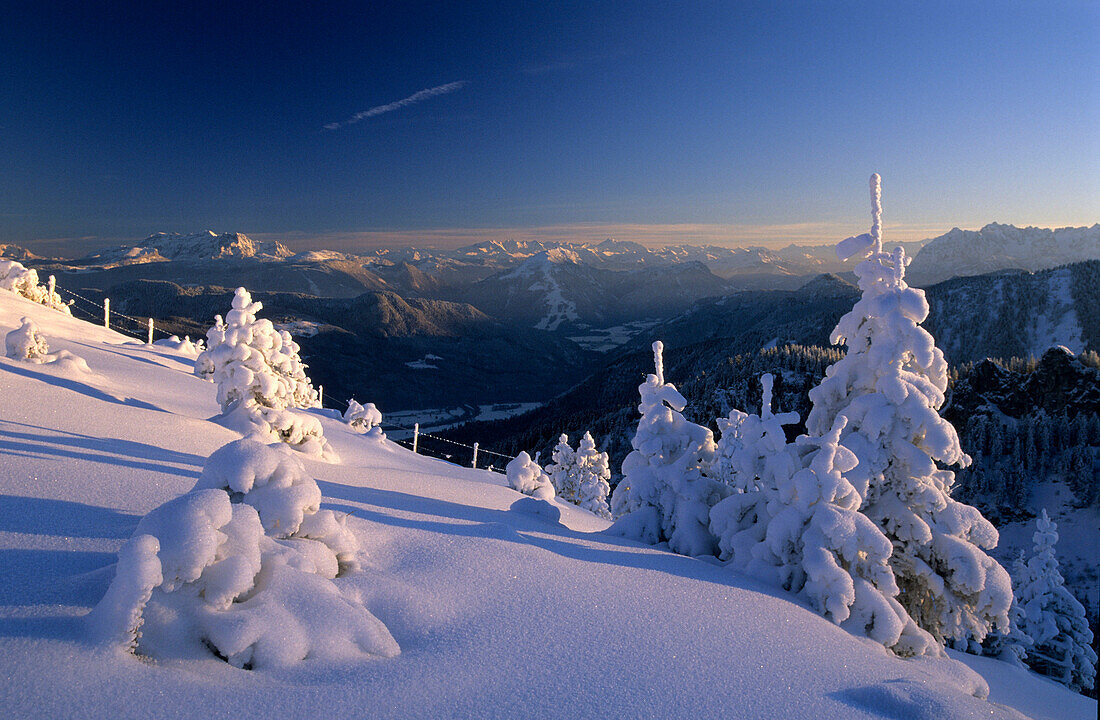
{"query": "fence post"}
[(416, 434), (538, 454), (474, 463), (320, 396), (150, 340), (52, 285), (107, 312)]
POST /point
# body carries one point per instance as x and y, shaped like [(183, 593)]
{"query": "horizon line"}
[(654, 235)]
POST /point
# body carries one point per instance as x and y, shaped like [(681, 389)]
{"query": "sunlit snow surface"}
[(498, 612)]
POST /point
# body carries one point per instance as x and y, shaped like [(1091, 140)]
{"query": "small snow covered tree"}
[(25, 342), (259, 376), (1052, 617), (241, 567), (24, 281), (253, 363), (594, 473), (664, 495), (793, 520), (563, 470), (580, 476), (525, 475), (364, 418), (889, 387)]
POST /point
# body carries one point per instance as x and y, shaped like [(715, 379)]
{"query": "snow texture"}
[(888, 388), (664, 495)]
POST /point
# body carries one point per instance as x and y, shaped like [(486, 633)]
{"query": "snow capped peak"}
[(1002, 247), (205, 245)]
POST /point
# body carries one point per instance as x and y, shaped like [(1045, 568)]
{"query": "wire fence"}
[(100, 312)]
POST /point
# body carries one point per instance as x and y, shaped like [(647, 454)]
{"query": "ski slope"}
[(499, 611)]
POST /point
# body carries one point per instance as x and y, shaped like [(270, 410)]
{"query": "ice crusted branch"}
[(876, 211), (659, 361)]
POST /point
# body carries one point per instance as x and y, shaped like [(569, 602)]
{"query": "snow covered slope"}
[(498, 612)]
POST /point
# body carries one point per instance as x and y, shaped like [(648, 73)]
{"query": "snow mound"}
[(363, 418), (241, 567), (26, 343), (526, 476), (185, 347)]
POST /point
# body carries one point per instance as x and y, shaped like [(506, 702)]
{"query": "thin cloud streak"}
[(416, 97)]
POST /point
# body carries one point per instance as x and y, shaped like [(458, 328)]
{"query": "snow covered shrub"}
[(286, 498), (525, 475), (663, 495), (242, 567), (24, 281), (26, 343), (301, 432), (260, 378), (364, 418), (889, 387), (793, 521), (1053, 617), (581, 476)]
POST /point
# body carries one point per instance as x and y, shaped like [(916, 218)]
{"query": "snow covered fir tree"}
[(888, 388), (581, 476), (793, 520), (261, 378), (1053, 620), (664, 495)]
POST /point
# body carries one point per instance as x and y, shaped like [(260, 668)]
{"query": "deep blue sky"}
[(734, 121)]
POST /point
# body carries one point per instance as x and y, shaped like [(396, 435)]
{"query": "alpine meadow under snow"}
[(176, 547)]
